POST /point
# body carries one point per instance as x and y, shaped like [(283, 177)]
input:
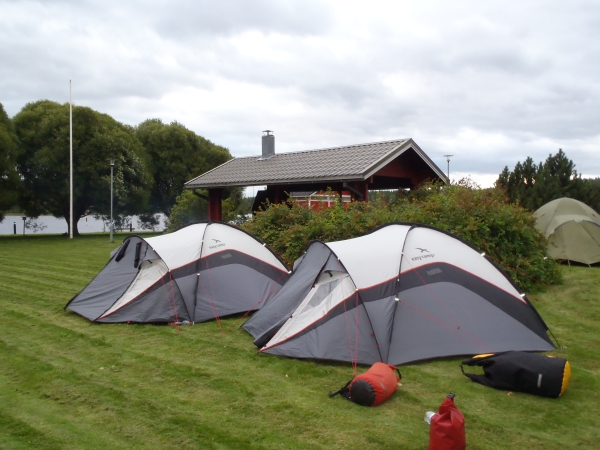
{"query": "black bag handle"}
[(344, 391), (482, 362)]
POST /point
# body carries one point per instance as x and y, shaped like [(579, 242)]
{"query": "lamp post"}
[(112, 166), (70, 163), (448, 159)]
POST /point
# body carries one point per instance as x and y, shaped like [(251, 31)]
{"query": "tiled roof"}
[(353, 162)]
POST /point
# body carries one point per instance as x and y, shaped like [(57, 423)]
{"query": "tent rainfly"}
[(402, 293), (572, 229), (197, 273)]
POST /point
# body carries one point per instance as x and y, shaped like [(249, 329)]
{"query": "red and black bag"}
[(447, 431), (542, 375), (372, 387)]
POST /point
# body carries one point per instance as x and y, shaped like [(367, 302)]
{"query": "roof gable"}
[(348, 163)]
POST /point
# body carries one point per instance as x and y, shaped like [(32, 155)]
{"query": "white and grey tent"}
[(402, 293), (200, 272)]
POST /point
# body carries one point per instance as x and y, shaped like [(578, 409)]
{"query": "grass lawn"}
[(69, 384)]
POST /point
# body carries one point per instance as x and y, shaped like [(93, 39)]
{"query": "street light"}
[(112, 166), (448, 159)]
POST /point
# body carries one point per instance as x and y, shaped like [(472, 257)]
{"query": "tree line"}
[(533, 185), (152, 161)]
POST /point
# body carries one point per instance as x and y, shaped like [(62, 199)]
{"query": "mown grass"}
[(69, 384)]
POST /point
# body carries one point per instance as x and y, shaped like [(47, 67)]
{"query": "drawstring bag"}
[(372, 387), (542, 375), (447, 430)]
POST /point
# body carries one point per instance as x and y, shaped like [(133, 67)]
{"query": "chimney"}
[(268, 145)]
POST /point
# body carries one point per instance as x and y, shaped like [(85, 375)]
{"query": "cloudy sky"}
[(490, 82)]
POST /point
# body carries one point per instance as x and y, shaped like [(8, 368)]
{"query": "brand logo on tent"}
[(218, 244), (427, 254)]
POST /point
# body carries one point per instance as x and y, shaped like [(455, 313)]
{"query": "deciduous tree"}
[(177, 155), (43, 162), (9, 178)]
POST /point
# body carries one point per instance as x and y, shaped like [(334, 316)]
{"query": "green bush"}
[(289, 228), (190, 208), (483, 217)]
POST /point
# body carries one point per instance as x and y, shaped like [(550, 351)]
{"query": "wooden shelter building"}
[(397, 164)]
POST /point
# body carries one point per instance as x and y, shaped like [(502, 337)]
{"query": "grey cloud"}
[(227, 17), (504, 59), (348, 94), (526, 72)]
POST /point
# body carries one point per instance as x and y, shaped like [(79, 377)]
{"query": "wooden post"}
[(215, 212), (276, 194), (364, 189)]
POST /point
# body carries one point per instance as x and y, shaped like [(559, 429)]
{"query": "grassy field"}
[(69, 384)]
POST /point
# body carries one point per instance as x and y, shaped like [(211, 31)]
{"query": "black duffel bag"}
[(542, 375)]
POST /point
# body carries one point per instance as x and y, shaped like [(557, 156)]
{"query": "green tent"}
[(572, 229)]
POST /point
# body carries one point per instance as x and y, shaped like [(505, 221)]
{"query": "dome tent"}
[(402, 293), (572, 229), (197, 273)]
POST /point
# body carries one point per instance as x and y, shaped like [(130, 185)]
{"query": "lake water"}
[(53, 225)]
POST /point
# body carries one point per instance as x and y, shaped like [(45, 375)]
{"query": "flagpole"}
[(71, 162)]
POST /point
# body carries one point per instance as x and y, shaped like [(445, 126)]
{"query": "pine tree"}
[(533, 186)]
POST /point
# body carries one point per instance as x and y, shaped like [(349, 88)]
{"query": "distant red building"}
[(320, 199)]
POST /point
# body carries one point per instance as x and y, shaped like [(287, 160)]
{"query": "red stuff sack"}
[(447, 430), (372, 387)]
